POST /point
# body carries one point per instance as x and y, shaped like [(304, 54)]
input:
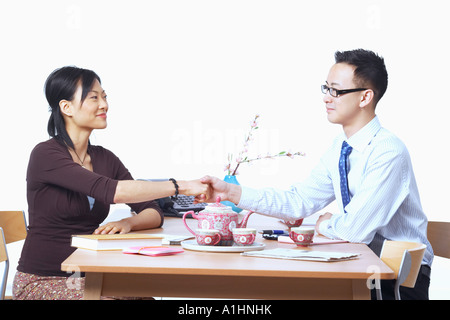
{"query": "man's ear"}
[(366, 98), (65, 107)]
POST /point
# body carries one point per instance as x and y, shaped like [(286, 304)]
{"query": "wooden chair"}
[(13, 225), (439, 236), (3, 258), (404, 258)]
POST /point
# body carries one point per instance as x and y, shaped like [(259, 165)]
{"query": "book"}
[(100, 242), (316, 240), (152, 251), (296, 254)]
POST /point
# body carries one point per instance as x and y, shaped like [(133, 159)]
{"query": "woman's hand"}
[(146, 219), (122, 226), (194, 188)]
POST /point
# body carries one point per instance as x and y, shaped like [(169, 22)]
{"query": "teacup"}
[(293, 223), (244, 236), (302, 236), (207, 237)]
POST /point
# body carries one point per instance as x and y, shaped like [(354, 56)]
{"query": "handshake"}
[(208, 188)]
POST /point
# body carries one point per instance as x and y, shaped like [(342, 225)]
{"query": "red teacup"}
[(293, 223), (244, 236), (207, 237), (302, 236)]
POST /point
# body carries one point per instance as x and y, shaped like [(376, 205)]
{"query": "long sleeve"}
[(50, 164), (58, 204), (384, 187), (384, 195), (300, 201)]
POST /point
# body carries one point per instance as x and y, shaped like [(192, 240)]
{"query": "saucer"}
[(192, 245)]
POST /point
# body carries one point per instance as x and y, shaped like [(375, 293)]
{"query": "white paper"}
[(295, 254)]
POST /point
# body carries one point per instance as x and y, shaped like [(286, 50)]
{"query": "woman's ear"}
[(66, 108)]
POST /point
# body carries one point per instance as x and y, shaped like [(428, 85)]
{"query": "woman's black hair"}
[(61, 84)]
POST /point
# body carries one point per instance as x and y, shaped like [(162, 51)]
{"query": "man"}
[(367, 170)]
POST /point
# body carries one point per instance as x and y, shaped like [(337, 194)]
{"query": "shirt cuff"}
[(248, 196), (323, 227), (326, 229)]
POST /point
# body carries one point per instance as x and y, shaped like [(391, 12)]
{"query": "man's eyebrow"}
[(333, 83)]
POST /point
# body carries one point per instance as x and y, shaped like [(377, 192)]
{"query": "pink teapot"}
[(218, 216)]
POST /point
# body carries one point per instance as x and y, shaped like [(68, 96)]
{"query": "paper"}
[(152, 251), (296, 254)]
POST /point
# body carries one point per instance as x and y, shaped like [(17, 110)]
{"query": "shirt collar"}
[(361, 139)]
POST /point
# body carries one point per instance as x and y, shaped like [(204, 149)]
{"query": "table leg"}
[(360, 289), (93, 286)]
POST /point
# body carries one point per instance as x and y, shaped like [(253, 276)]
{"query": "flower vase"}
[(231, 179)]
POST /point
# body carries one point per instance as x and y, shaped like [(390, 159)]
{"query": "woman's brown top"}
[(58, 204)]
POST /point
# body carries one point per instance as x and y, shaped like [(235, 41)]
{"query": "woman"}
[(71, 184)]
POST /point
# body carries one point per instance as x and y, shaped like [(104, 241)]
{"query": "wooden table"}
[(227, 275)]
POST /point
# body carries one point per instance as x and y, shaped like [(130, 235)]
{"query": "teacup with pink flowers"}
[(244, 236), (207, 237)]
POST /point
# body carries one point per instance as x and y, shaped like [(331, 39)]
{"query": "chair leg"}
[(4, 280), (397, 291), (405, 268), (378, 289)]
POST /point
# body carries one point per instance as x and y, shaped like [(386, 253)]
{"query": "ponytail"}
[(61, 84)]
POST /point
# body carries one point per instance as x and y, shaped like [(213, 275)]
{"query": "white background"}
[(185, 78)]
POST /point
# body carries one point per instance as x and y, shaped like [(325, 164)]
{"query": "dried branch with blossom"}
[(243, 158)]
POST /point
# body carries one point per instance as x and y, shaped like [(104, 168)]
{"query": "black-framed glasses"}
[(336, 93)]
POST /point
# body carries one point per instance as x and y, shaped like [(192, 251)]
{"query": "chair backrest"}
[(3, 253), (14, 225), (392, 254), (439, 236), (3, 258)]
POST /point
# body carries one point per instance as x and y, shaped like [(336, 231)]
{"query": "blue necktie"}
[(345, 151)]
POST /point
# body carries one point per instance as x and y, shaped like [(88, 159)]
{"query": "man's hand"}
[(322, 218), (220, 188)]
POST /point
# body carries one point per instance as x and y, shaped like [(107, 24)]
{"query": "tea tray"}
[(192, 245)]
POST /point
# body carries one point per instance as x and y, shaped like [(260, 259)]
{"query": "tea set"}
[(218, 225), (224, 221)]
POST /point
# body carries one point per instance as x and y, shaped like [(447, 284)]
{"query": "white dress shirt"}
[(384, 195)]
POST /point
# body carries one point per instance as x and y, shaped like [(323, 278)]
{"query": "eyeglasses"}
[(336, 93)]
